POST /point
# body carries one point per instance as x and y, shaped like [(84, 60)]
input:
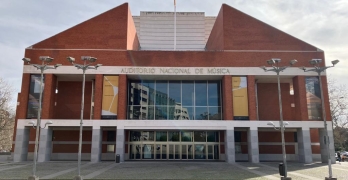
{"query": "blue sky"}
[(322, 23)]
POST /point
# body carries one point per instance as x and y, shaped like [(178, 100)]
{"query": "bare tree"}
[(339, 113), (7, 116)]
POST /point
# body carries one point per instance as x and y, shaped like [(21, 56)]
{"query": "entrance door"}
[(148, 151)]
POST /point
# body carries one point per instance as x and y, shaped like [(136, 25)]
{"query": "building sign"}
[(34, 95), (110, 97), (176, 71), (313, 98), (240, 98)]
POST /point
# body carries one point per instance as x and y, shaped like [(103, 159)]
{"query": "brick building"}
[(206, 100)]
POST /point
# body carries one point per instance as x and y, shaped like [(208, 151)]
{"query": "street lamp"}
[(33, 124), (44, 66), (274, 62), (85, 66), (319, 70)]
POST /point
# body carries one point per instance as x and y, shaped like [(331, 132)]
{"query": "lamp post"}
[(44, 66), (275, 68), (85, 66), (319, 70)]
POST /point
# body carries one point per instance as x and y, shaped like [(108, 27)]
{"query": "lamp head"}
[(49, 122), (302, 68), (270, 62), (46, 58), (57, 65), (26, 60), (286, 123), (263, 67), (31, 123), (334, 62), (270, 123), (292, 62), (88, 58), (98, 65), (315, 61), (70, 59)]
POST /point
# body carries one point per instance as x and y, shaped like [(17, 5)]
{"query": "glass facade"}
[(34, 95), (174, 100), (174, 145), (313, 98)]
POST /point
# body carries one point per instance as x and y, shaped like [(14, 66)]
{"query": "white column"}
[(120, 137), (45, 145), (323, 150), (21, 144), (230, 146), (253, 145), (304, 145), (96, 146)]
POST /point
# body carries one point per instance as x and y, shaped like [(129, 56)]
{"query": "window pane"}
[(214, 113), (173, 136), (134, 93), (174, 92), (201, 113), (187, 93), (147, 112), (134, 112), (200, 136), (214, 93), (147, 136), (135, 136), (201, 93), (148, 92), (186, 136), (173, 113), (187, 113), (161, 135), (212, 136), (34, 95), (161, 112), (200, 151), (161, 93)]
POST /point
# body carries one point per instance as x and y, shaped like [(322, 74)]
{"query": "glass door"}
[(148, 151)]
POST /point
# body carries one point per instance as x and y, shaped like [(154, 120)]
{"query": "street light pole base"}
[(285, 178), (327, 178), (33, 177), (78, 177)]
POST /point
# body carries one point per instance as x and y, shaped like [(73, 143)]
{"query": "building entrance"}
[(174, 145)]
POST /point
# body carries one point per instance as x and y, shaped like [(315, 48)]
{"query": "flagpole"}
[(174, 25)]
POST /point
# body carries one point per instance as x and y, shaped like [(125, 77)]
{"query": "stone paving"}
[(171, 170)]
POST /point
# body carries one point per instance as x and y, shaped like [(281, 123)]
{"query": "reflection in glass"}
[(190, 151), (161, 93), (148, 151), (183, 151), (173, 136), (148, 91), (161, 113), (161, 135), (187, 113), (158, 151), (214, 93), (215, 113), (164, 151), (34, 95), (187, 93), (216, 151), (212, 136), (201, 113), (147, 136), (177, 151), (200, 136), (200, 151), (201, 93), (135, 151), (210, 151), (175, 91), (171, 151), (134, 112), (186, 136), (313, 98), (134, 93), (135, 135)]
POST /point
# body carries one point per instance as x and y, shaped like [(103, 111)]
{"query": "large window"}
[(34, 95), (174, 100), (313, 98)]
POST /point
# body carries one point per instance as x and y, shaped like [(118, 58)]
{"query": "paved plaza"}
[(170, 170)]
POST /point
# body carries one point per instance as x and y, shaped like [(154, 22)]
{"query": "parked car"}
[(344, 156)]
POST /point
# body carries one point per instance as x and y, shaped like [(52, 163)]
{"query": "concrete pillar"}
[(253, 145), (45, 145), (227, 103), (304, 145), (97, 135), (21, 145), (120, 138), (323, 150), (230, 146)]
